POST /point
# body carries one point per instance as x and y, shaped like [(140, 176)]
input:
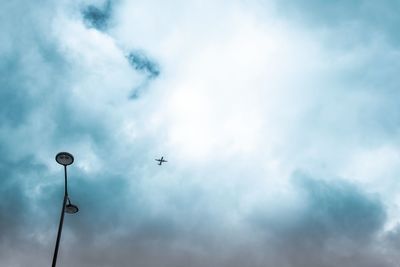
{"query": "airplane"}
[(161, 160)]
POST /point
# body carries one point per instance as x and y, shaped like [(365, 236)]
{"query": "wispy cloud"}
[(141, 63)]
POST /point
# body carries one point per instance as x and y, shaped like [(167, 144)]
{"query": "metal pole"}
[(66, 182), (61, 219)]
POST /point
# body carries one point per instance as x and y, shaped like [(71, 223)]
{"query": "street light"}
[(71, 208), (65, 159)]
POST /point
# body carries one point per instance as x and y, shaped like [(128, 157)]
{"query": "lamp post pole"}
[(64, 159)]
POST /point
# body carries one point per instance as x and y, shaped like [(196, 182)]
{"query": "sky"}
[(279, 119)]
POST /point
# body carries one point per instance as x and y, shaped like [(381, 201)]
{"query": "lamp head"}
[(64, 158), (71, 208)]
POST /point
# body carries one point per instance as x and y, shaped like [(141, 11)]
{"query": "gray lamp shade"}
[(71, 209), (64, 158)]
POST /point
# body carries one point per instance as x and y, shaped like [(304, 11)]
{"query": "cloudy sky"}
[(279, 119)]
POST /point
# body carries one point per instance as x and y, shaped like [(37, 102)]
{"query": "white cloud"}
[(244, 99)]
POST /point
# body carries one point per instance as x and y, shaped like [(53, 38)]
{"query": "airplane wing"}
[(161, 160)]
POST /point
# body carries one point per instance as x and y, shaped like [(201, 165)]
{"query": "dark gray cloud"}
[(98, 17), (21, 218), (337, 226), (14, 207), (338, 209)]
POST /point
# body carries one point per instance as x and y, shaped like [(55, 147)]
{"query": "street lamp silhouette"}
[(65, 159)]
